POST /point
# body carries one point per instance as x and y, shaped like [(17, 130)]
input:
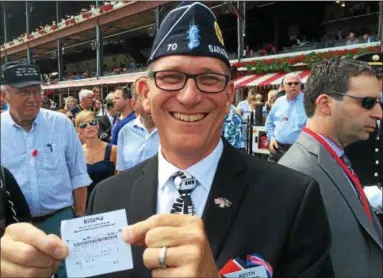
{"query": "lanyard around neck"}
[(352, 176)]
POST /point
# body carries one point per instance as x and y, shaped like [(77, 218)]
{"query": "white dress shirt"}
[(203, 171)]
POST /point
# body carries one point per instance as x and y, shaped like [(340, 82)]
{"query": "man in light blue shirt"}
[(244, 106), (42, 150), (286, 118), (138, 140), (136, 144)]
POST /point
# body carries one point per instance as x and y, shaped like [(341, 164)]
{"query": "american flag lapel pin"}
[(222, 202)]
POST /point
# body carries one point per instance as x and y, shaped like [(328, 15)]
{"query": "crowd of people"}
[(303, 213)]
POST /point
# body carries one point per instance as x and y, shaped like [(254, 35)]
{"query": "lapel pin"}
[(222, 202)]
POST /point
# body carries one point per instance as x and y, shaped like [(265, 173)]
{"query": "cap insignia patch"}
[(193, 36)]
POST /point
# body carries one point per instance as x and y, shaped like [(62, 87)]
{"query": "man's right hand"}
[(273, 146), (28, 252)]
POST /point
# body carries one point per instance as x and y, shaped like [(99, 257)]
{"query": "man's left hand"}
[(188, 253)]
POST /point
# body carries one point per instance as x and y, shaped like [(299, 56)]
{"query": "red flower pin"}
[(35, 152)]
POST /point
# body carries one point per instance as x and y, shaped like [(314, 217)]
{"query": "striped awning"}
[(114, 79), (267, 79)]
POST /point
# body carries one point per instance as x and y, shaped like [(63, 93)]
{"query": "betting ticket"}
[(95, 244)]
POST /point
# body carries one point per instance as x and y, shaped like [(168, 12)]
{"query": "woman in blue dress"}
[(100, 156)]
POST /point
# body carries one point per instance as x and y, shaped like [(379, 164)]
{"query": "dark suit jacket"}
[(276, 212), (105, 126)]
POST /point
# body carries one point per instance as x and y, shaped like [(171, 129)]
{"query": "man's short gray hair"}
[(84, 93), (291, 74), (109, 96)]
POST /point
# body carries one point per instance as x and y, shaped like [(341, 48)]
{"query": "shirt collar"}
[(339, 151), (203, 171), (37, 121), (298, 97), (137, 122)]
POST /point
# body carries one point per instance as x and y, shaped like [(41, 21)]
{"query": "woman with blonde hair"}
[(69, 103), (271, 97), (100, 156)]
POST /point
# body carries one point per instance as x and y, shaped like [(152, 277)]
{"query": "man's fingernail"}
[(59, 252), (127, 234)]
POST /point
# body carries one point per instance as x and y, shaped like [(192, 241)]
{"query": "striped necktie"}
[(347, 162), (185, 185)]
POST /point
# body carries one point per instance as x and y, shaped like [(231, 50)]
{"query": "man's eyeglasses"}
[(210, 83), (83, 125), (366, 102), (292, 83)]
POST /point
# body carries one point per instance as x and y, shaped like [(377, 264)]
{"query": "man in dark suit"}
[(236, 205), (341, 106), (106, 122)]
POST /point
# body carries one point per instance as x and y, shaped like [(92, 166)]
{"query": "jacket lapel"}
[(143, 199), (142, 205), (335, 173), (230, 184)]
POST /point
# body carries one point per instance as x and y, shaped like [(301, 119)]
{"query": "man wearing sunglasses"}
[(367, 156), (342, 105), (286, 119), (200, 202)]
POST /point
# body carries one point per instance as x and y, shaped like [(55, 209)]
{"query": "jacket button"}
[(377, 162), (376, 174), (376, 150)]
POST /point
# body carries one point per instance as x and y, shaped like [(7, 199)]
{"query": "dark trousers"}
[(282, 149)]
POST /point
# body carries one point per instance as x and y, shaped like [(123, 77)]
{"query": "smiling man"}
[(341, 102), (200, 203)]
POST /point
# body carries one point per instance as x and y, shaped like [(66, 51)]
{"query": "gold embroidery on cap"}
[(218, 32)]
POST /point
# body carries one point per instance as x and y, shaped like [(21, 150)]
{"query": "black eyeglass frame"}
[(365, 101), (188, 76)]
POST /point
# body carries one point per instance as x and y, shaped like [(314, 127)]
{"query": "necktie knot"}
[(185, 184), (347, 162)]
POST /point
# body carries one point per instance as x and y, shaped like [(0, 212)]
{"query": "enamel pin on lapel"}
[(222, 202)]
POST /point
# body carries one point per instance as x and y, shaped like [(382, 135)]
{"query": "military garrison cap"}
[(375, 60), (190, 29), (20, 75)]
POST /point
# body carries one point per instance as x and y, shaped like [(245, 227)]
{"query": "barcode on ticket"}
[(95, 240)]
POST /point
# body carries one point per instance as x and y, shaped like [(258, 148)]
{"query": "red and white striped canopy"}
[(267, 79)]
